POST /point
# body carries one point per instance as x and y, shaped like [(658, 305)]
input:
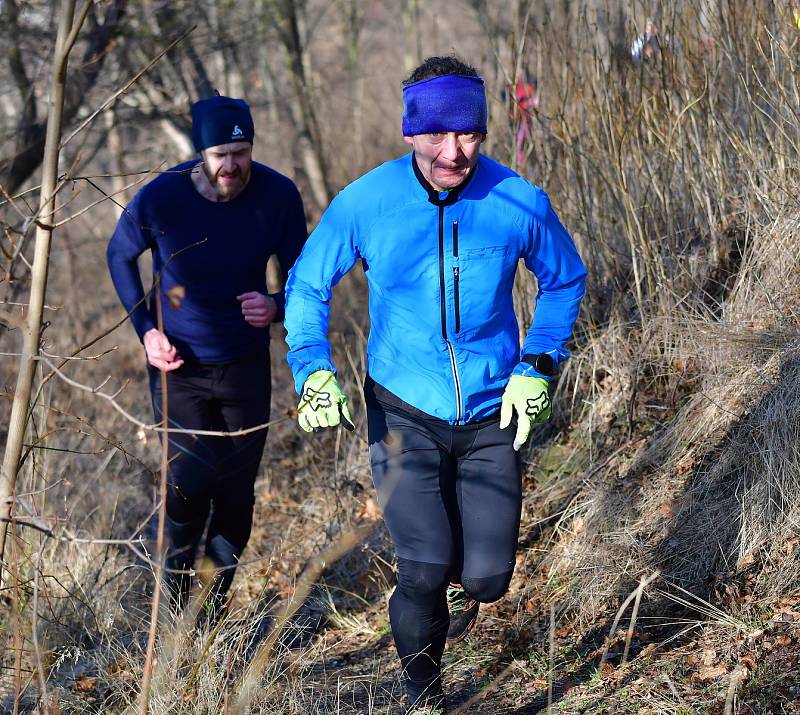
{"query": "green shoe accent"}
[(463, 613)]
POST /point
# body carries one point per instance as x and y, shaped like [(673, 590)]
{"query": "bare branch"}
[(127, 85)]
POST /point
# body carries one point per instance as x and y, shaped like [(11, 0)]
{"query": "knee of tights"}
[(488, 588), (419, 578)]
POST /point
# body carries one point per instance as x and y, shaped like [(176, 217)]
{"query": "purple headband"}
[(447, 103)]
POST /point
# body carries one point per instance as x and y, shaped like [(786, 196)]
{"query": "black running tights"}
[(212, 476)]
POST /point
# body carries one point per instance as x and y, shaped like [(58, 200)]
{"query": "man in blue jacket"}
[(440, 232), (211, 225)]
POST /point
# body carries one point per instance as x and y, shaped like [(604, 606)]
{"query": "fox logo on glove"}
[(317, 400), (537, 405)]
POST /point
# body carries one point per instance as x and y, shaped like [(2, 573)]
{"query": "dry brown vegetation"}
[(659, 561)]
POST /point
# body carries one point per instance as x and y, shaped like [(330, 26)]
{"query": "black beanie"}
[(221, 120)]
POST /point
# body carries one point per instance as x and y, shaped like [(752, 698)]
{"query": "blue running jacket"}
[(440, 268)]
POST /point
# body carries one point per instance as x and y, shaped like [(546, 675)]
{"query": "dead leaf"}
[(176, 294), (791, 546), (785, 617), (709, 673), (783, 640), (84, 683), (647, 651), (685, 464), (606, 670), (666, 509), (748, 662), (709, 657), (755, 635)]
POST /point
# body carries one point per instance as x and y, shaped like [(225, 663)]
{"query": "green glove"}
[(323, 403), (529, 396)]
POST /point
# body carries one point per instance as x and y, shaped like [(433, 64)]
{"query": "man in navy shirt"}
[(211, 226)]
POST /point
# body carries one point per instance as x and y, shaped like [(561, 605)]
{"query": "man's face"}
[(445, 158), (227, 167)]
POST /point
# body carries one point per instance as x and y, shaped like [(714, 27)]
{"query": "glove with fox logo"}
[(529, 396), (323, 404)]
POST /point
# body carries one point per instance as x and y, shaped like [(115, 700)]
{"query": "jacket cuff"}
[(302, 375), (142, 324)]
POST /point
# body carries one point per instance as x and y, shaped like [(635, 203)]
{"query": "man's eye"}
[(470, 136)]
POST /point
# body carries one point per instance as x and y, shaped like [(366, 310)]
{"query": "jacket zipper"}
[(442, 288), (455, 278)]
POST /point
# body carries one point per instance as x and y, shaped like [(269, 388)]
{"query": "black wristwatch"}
[(542, 363)]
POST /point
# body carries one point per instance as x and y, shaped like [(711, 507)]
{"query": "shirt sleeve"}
[(327, 256), (551, 255), (127, 243), (291, 243)]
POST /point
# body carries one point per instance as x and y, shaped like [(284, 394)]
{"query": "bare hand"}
[(258, 309), (160, 352)]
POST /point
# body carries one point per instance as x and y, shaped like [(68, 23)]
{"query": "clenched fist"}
[(258, 309)]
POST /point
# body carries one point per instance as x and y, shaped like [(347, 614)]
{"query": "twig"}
[(110, 330), (144, 425), (13, 568), (634, 616), (87, 357), (128, 85), (132, 543), (106, 197), (642, 585), (552, 658), (488, 689), (34, 627), (738, 674), (673, 689), (76, 28), (249, 681), (160, 550)]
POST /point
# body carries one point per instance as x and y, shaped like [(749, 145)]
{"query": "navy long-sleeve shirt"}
[(207, 253)]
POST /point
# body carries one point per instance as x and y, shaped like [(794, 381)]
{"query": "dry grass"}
[(674, 447)]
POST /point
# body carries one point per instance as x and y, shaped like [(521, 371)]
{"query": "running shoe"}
[(463, 613), (429, 700)]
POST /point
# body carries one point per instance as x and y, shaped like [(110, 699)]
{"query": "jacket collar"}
[(434, 196)]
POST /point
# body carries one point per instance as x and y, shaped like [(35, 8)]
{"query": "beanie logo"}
[(236, 131)]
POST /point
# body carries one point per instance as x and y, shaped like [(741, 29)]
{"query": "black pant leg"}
[(412, 470), (489, 490), (191, 470), (243, 394), (419, 619)]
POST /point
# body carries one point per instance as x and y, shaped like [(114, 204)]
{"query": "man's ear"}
[(408, 140)]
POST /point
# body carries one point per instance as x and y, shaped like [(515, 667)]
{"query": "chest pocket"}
[(486, 280)]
